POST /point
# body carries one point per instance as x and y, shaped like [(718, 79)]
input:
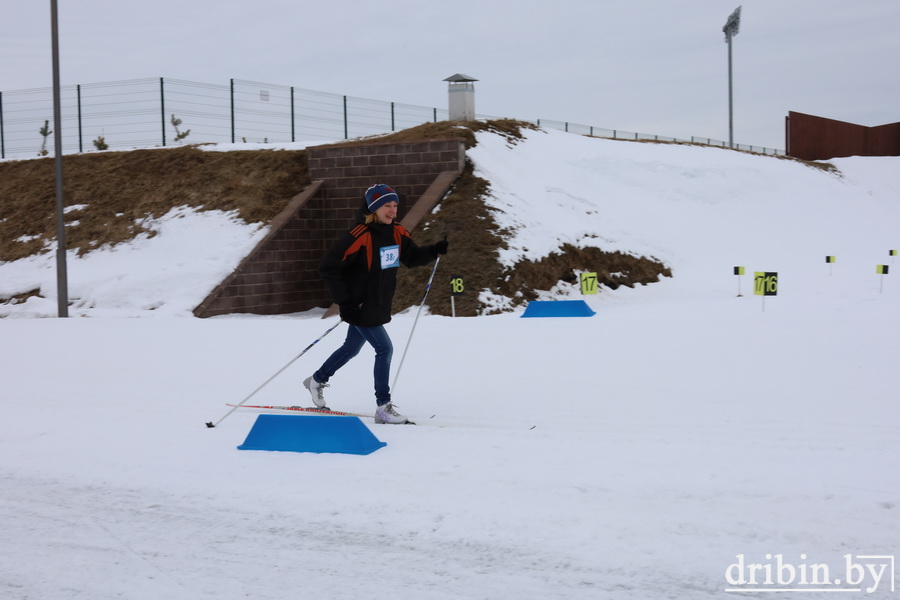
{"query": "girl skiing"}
[(361, 273)]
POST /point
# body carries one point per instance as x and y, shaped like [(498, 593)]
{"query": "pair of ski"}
[(311, 411)]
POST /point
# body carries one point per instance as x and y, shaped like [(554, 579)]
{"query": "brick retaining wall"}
[(281, 275)]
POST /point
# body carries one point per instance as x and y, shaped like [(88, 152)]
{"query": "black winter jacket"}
[(361, 270)]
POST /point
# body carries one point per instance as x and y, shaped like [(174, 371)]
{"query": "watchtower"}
[(461, 91)]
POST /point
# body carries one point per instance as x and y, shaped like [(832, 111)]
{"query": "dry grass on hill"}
[(442, 130), (118, 189)]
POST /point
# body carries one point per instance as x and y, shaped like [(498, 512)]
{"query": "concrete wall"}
[(281, 275)]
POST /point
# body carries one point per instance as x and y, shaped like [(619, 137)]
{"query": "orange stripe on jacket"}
[(364, 240), (399, 233)]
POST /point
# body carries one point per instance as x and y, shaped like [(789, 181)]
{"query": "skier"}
[(361, 273)]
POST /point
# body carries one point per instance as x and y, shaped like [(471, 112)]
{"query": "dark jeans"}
[(378, 338)]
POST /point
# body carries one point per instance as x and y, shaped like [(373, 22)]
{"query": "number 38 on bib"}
[(390, 257)]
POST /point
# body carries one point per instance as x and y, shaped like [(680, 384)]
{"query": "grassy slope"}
[(118, 189)]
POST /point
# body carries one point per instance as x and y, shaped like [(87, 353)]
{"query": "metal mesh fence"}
[(141, 113), (619, 134)]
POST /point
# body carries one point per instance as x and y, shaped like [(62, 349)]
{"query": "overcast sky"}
[(650, 66)]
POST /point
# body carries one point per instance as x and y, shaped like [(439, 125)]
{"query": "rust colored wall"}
[(884, 140), (281, 275), (817, 138)]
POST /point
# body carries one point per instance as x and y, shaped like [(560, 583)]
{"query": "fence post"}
[(293, 135), (2, 140), (346, 136), (162, 109), (435, 115), (392, 117), (232, 110), (80, 140)]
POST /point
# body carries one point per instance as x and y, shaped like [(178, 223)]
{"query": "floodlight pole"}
[(730, 99), (731, 29), (62, 284)]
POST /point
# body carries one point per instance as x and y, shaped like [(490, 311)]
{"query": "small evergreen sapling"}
[(44, 131), (179, 135)]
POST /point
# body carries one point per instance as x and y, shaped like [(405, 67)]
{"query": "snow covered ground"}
[(659, 449)]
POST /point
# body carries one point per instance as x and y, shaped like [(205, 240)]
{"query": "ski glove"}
[(441, 246), (349, 312)]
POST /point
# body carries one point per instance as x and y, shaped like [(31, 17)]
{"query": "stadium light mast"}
[(62, 285), (732, 26)]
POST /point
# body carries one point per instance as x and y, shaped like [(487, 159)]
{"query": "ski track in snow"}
[(632, 455)]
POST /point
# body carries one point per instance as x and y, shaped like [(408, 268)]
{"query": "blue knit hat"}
[(378, 195)]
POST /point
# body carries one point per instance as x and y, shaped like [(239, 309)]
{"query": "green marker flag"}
[(589, 284), (765, 284), (881, 270), (830, 259), (457, 286), (739, 271)]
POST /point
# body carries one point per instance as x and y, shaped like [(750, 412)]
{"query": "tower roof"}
[(460, 78)]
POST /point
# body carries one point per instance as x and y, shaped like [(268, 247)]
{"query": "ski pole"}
[(418, 312), (253, 393)]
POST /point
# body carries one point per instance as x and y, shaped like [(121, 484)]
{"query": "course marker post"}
[(881, 270), (739, 271), (457, 288), (765, 284)]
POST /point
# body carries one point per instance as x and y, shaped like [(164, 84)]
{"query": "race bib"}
[(390, 257)]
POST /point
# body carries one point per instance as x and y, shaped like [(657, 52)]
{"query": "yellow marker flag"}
[(588, 283)]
